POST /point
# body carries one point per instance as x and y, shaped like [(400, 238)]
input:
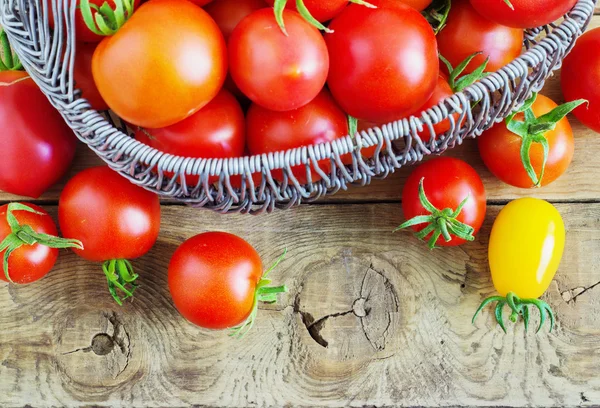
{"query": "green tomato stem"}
[(11, 60), (104, 20), (121, 277)]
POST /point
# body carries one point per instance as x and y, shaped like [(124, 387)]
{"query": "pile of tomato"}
[(225, 78)]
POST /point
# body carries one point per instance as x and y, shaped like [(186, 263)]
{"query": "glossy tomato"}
[(320, 121), (467, 32), (501, 149), (228, 13), (165, 63), (276, 71), (216, 280), (581, 78), (417, 4), (321, 10), (29, 238), (523, 13), (34, 133), (384, 62), (438, 189), (84, 80)]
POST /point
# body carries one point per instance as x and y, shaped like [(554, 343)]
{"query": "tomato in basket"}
[(84, 80), (523, 13)]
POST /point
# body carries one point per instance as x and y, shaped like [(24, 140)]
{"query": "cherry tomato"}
[(321, 10), (384, 61), (446, 183), (523, 13), (420, 5), (165, 63), (33, 132), (228, 13), (84, 80), (500, 149), (215, 131), (320, 121), (580, 78), (467, 32), (215, 280), (276, 71), (31, 242)]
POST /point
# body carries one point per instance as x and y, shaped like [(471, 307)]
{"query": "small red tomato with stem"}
[(216, 280), (523, 13), (444, 201), (29, 243), (277, 71), (467, 32), (580, 78), (84, 80), (533, 147), (114, 219)]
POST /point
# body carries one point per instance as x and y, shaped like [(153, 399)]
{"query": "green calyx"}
[(519, 307), (120, 276), (509, 4), (440, 222), (437, 14), (279, 6), (264, 293), (105, 20), (9, 61), (457, 82), (25, 235), (533, 130), (352, 126)]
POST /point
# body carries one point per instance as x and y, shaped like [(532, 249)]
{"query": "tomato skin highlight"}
[(113, 218), (84, 79), (33, 132), (525, 13), (384, 61), (166, 62), (212, 279), (526, 247), (580, 78), (29, 263), (276, 71), (447, 182), (467, 32)]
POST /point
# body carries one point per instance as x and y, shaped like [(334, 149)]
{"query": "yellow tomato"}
[(526, 246)]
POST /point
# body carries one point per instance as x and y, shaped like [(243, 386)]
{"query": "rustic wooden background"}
[(372, 318)]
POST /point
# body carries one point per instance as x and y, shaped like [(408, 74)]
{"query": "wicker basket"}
[(49, 60)]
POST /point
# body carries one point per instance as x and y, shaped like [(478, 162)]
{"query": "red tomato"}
[(228, 13), (500, 150), (384, 62), (417, 4), (581, 78), (37, 145), (214, 280), (320, 121), (201, 2), (447, 182), (165, 63), (84, 80), (29, 263), (112, 217), (523, 13), (441, 92), (467, 32), (215, 131), (276, 71), (321, 10)]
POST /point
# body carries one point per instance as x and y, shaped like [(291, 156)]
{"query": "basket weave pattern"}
[(49, 58)]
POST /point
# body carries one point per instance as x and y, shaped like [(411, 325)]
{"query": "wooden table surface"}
[(372, 318)]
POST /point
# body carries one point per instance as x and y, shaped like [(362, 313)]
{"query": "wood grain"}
[(372, 318)]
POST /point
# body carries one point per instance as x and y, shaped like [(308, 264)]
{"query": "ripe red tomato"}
[(581, 78), (215, 280), (228, 13), (33, 132), (420, 5), (321, 10), (165, 63), (84, 80), (384, 61), (28, 262), (523, 13), (442, 91), (447, 182), (276, 71), (500, 150), (467, 32), (320, 121), (215, 131)]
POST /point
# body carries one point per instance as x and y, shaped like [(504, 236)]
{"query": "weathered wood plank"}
[(372, 318)]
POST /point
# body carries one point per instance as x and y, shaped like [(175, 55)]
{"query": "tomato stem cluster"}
[(533, 130), (519, 307), (25, 235), (120, 276), (457, 82), (11, 61), (104, 20), (437, 14), (264, 293)]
